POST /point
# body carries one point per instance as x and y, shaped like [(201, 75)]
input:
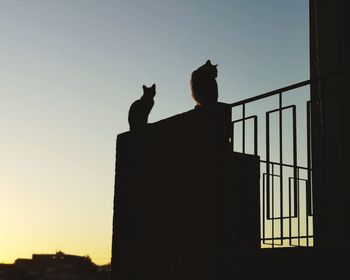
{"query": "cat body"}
[(140, 109), (203, 84)]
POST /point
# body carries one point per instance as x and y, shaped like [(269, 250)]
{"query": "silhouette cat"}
[(140, 109), (203, 84)]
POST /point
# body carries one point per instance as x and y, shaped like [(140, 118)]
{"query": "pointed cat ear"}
[(144, 87), (154, 86), (208, 63)]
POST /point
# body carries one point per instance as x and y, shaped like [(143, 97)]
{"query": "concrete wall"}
[(183, 201)]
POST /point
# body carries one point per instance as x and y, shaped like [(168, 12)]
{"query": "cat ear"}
[(154, 86), (144, 87), (208, 63)]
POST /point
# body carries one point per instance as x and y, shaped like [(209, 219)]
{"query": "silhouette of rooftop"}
[(54, 266)]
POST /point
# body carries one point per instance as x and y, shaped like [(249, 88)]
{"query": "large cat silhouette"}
[(203, 84), (140, 109)]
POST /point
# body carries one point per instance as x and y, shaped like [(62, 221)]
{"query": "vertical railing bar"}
[(308, 184), (243, 128), (268, 166), (290, 210), (307, 218), (295, 157), (281, 164), (255, 135), (273, 205), (263, 208), (296, 170), (298, 197)]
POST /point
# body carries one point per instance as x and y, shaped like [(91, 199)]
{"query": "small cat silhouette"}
[(203, 84), (140, 109)]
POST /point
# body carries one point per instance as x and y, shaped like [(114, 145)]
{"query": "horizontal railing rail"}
[(285, 89)]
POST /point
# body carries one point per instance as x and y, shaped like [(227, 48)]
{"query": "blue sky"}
[(70, 70)]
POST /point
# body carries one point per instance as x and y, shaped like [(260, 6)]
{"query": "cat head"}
[(149, 92), (208, 69), (203, 84)]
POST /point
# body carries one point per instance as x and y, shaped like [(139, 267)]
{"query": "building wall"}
[(329, 53)]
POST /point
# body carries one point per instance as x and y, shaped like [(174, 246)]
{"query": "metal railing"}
[(276, 127)]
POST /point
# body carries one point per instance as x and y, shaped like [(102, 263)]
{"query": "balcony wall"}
[(183, 200)]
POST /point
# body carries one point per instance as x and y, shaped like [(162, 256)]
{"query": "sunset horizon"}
[(70, 72)]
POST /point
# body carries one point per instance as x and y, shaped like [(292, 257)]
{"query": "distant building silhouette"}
[(57, 266)]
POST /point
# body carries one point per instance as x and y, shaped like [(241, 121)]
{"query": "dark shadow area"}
[(181, 199)]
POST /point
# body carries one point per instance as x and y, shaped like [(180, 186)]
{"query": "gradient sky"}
[(69, 70)]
